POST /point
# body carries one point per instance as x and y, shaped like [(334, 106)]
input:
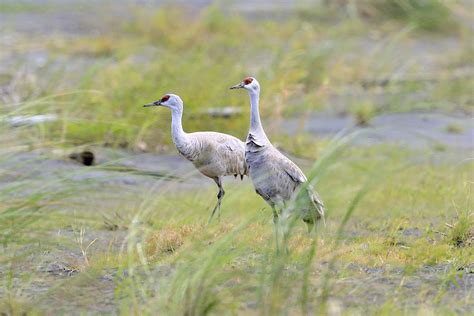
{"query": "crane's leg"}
[(310, 226), (220, 195), (277, 224), (275, 215), (310, 219)]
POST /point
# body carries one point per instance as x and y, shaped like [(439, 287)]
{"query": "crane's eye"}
[(165, 98), (248, 80)]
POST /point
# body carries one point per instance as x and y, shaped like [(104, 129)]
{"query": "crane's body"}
[(278, 180), (214, 154), (275, 177)]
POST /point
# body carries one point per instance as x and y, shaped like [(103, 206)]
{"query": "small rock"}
[(86, 157), (412, 232), (375, 270), (141, 146), (60, 269)]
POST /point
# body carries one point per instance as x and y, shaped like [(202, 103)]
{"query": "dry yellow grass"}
[(169, 239)]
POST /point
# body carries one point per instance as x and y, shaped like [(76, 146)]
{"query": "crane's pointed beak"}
[(156, 103), (238, 86)]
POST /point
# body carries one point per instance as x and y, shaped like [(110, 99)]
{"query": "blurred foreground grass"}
[(406, 248)]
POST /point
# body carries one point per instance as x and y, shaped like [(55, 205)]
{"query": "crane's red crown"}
[(165, 98), (248, 80)]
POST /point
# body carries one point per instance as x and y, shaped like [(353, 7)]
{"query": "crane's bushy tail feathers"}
[(318, 204)]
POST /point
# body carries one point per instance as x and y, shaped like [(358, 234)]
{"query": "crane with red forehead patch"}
[(214, 154), (278, 180)]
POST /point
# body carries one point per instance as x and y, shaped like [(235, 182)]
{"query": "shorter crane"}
[(214, 154)]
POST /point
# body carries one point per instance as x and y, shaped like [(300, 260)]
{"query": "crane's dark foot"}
[(219, 214), (212, 214), (217, 209)]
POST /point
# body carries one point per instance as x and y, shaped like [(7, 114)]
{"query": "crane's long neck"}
[(255, 122), (177, 132)]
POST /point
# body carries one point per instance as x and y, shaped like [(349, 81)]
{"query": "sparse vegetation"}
[(425, 14), (454, 128), (168, 240), (363, 112), (462, 232)]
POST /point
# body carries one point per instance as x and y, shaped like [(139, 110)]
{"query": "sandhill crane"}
[(275, 177), (214, 154)]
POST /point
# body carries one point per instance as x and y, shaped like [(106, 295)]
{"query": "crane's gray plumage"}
[(275, 177), (214, 154)]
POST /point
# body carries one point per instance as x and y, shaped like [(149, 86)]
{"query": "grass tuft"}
[(430, 15), (168, 239), (454, 128), (462, 231), (363, 113)]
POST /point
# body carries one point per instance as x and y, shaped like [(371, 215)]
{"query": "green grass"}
[(461, 233), (171, 261), (363, 112), (12, 7), (454, 128), (427, 15)]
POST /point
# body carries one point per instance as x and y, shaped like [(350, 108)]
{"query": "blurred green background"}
[(94, 63)]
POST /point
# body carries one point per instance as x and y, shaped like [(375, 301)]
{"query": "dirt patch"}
[(413, 130)]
